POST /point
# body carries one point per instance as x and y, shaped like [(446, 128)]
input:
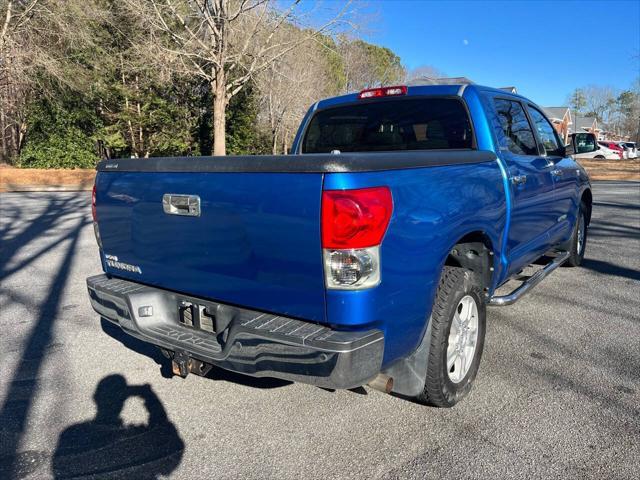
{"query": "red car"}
[(613, 146)]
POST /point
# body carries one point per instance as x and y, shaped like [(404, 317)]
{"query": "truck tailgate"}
[(256, 242)]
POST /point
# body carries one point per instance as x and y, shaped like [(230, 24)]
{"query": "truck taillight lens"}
[(93, 204), (353, 225), (352, 269), (355, 218), (94, 215)]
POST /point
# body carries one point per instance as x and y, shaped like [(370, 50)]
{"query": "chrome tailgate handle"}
[(174, 204)]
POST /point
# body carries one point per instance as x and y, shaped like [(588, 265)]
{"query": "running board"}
[(527, 285)]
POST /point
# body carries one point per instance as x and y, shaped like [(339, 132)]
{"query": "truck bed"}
[(256, 242)]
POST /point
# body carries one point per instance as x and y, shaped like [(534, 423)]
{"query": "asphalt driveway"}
[(557, 396)]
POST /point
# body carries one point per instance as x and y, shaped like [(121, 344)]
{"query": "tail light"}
[(94, 215), (93, 204), (353, 225), (383, 92)]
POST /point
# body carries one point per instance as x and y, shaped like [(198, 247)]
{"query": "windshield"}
[(388, 125)]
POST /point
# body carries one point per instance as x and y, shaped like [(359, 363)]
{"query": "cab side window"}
[(516, 128), (546, 132)]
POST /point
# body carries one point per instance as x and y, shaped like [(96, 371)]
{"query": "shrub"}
[(59, 136)]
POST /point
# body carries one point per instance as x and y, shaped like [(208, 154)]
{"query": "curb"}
[(45, 188)]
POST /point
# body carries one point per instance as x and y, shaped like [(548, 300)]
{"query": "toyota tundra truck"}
[(368, 256)]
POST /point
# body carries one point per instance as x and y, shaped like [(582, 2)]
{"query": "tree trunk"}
[(3, 138), (274, 142), (139, 111), (134, 148), (219, 110), (21, 132)]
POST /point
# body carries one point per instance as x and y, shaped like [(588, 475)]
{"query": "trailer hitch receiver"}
[(181, 364)]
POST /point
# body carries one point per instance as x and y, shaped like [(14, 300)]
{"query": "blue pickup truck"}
[(367, 257)]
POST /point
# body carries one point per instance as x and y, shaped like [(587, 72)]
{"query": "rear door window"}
[(546, 133), (389, 125), (516, 128)]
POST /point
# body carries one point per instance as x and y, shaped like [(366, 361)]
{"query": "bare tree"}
[(227, 42), (367, 65), (423, 71), (600, 101), (35, 37), (16, 19), (617, 111), (288, 87), (577, 101), (628, 111)]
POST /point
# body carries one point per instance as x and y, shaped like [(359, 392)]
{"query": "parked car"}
[(631, 149), (368, 256), (613, 146), (625, 149), (601, 153)]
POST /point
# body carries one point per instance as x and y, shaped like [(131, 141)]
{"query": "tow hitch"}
[(182, 364)]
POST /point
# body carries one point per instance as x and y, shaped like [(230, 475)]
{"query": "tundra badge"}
[(113, 262)]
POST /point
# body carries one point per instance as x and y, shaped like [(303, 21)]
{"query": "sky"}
[(544, 48)]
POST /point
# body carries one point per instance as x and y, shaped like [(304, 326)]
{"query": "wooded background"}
[(82, 80)]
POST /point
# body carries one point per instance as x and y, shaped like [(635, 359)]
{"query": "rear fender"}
[(434, 208)]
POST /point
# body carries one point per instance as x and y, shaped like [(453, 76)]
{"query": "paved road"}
[(557, 396)]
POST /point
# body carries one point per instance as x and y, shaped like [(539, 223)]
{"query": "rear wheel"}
[(457, 337), (578, 242)]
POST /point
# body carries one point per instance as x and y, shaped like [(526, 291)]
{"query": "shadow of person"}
[(105, 447)]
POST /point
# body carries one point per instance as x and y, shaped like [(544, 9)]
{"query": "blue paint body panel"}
[(433, 209), (257, 243)]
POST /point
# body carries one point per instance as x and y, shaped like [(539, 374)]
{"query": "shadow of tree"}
[(608, 268), (14, 411), (612, 230), (105, 447), (56, 212), (616, 205)]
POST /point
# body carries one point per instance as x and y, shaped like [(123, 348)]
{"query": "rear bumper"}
[(245, 341)]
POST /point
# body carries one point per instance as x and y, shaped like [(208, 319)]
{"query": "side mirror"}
[(582, 143)]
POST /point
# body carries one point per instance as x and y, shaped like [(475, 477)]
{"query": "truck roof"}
[(445, 90)]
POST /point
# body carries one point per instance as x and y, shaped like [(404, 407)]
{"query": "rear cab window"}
[(418, 123)]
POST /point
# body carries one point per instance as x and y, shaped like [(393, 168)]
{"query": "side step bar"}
[(527, 285)]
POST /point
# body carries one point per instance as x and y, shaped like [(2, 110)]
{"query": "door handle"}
[(556, 173), (519, 179), (188, 205)]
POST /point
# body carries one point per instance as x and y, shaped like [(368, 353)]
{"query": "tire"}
[(457, 297), (599, 157), (578, 241)]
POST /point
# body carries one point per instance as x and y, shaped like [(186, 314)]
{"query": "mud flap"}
[(409, 374)]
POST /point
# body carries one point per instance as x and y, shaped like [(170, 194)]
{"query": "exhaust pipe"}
[(382, 382)]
